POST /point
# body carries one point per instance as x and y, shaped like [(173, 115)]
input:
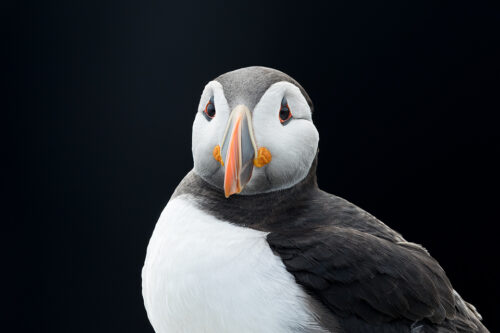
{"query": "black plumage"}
[(354, 267)]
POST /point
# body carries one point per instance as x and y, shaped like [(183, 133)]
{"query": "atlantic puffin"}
[(249, 243)]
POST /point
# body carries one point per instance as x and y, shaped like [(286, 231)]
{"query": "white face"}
[(292, 144)]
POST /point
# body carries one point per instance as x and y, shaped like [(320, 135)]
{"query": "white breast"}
[(206, 275)]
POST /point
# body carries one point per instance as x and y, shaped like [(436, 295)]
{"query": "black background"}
[(103, 95)]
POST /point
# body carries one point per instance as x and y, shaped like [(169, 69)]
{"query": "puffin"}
[(249, 243)]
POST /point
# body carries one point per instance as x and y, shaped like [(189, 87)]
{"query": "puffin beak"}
[(238, 150)]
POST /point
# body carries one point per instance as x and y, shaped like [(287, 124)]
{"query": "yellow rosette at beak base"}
[(263, 156), (217, 156)]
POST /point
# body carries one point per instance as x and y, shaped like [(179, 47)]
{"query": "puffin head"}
[(253, 132)]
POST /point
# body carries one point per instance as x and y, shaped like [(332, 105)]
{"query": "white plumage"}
[(206, 275)]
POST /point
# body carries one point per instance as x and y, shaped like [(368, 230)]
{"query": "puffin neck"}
[(256, 210)]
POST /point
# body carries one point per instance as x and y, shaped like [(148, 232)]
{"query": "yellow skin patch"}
[(217, 156), (263, 156)]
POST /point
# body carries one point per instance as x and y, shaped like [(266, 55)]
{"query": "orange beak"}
[(238, 150)]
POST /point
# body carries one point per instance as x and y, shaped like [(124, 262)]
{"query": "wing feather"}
[(356, 273)]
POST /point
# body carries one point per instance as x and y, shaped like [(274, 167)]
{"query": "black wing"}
[(354, 273)]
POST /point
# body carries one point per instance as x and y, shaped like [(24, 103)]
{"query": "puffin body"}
[(249, 243), (203, 274)]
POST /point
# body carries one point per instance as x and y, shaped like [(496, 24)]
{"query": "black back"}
[(362, 271)]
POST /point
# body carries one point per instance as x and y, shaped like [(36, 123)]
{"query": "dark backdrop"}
[(104, 94)]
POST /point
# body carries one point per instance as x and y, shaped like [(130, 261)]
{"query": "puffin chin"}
[(259, 183)]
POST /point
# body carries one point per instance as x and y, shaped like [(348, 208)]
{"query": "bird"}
[(248, 242)]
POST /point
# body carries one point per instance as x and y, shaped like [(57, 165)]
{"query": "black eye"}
[(209, 111), (285, 113)]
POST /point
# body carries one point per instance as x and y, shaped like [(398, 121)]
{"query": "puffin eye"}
[(209, 111), (285, 113)]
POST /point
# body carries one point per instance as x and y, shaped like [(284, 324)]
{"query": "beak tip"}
[(228, 191)]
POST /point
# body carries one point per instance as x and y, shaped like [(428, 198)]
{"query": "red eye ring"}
[(285, 114), (209, 110)]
